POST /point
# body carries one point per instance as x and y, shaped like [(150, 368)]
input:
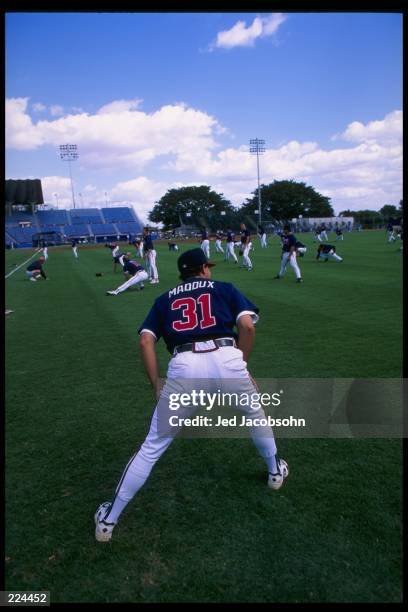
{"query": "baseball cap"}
[(193, 259)]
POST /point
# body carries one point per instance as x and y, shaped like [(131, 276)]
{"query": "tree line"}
[(280, 201)]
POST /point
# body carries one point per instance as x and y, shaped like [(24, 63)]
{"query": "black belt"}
[(217, 341)]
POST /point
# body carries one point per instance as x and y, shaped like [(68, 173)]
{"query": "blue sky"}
[(156, 101)]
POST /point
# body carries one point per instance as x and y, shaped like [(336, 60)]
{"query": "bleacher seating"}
[(86, 215), (103, 229), (76, 231), (18, 216), (75, 223), (52, 217), (129, 228), (120, 214), (22, 235)]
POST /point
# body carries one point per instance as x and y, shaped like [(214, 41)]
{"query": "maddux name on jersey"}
[(206, 284)]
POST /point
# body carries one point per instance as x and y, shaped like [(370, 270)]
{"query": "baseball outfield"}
[(205, 528)]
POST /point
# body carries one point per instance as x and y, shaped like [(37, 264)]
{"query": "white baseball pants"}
[(218, 246), (75, 251), (151, 258), (45, 253), (331, 255), (291, 258), (263, 241), (246, 249), (225, 363), (229, 252), (139, 277), (205, 245)]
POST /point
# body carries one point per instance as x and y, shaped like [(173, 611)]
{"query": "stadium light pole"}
[(69, 153), (257, 146), (56, 197)]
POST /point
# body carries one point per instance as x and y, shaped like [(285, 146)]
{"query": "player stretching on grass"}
[(328, 251), (289, 254), (196, 320), (35, 270), (134, 273)]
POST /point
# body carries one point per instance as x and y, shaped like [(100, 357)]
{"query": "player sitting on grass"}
[(326, 251), (134, 273), (35, 270)]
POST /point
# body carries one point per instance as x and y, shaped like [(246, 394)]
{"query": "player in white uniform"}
[(289, 254), (196, 320), (45, 250), (134, 273), (262, 236), (205, 243), (328, 251), (246, 245), (229, 247), (218, 244), (150, 256), (74, 243)]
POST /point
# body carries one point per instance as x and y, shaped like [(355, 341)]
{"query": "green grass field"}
[(205, 528)]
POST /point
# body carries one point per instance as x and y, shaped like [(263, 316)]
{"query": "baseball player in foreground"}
[(134, 273), (35, 270), (289, 254), (196, 320), (328, 251)]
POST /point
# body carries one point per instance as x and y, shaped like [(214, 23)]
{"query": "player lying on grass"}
[(327, 251), (35, 270), (196, 320), (134, 273)]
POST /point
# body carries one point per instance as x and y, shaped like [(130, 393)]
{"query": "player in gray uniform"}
[(196, 320)]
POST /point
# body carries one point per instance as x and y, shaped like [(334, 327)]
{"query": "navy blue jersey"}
[(204, 234), (326, 248), (287, 242), (74, 242), (230, 237), (245, 234), (36, 265), (132, 267), (339, 231), (299, 245), (148, 243), (196, 310), (261, 229)]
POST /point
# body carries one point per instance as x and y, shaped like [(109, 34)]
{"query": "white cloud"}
[(56, 110), (119, 106), (241, 35), (38, 107), (364, 170), (388, 130), (114, 137)]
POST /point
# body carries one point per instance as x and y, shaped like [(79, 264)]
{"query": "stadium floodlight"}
[(69, 153), (257, 146)]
